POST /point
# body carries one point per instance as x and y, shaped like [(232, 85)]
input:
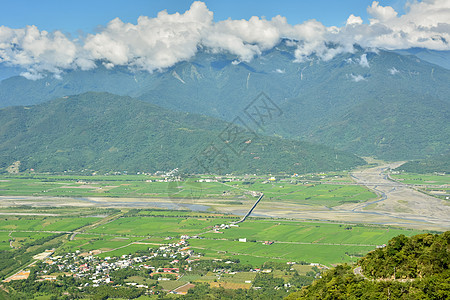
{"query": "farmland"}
[(305, 222), (437, 185), (207, 242), (128, 231), (422, 179), (157, 226), (43, 223), (98, 229), (312, 189)]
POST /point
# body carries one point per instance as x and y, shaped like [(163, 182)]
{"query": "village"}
[(168, 262)]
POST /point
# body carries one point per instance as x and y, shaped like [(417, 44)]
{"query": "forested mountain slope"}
[(105, 132)]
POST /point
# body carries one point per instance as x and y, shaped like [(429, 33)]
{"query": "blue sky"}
[(71, 17)]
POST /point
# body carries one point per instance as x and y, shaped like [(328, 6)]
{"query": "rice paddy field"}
[(124, 232), (39, 223), (313, 189), (422, 179), (436, 185)]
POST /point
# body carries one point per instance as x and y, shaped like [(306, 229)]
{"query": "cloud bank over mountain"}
[(157, 43)]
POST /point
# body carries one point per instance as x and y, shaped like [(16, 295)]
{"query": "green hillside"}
[(419, 256), (105, 132), (420, 264), (391, 127), (438, 163), (440, 58), (392, 116)]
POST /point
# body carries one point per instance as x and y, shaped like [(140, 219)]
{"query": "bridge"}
[(250, 210)]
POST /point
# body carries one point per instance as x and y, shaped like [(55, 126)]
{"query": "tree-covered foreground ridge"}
[(407, 268)]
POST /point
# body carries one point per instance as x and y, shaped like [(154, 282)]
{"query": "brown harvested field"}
[(18, 276), (182, 290), (230, 285)]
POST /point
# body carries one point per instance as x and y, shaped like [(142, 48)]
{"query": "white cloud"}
[(357, 78), (353, 20), (153, 43), (393, 71), (363, 61), (426, 24), (381, 13), (280, 71), (39, 51), (32, 75), (158, 43), (108, 65)]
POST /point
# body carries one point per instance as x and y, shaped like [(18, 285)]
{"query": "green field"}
[(114, 233), (83, 186), (125, 233), (325, 243), (437, 185), (131, 249), (157, 226), (313, 189), (314, 194), (422, 179), (4, 241), (307, 232), (324, 254), (40, 223)]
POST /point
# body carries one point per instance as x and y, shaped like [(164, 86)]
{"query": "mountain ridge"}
[(106, 132)]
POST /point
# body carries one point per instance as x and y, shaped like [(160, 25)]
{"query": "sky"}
[(73, 17), (51, 36)]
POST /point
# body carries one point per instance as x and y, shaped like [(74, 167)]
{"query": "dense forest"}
[(407, 268), (105, 132), (438, 163)]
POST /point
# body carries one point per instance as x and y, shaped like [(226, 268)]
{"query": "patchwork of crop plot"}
[(312, 191), (158, 226), (138, 230), (40, 223)]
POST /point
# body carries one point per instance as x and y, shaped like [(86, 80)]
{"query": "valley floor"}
[(398, 204)]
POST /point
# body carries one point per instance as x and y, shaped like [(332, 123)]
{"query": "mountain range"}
[(370, 103)]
